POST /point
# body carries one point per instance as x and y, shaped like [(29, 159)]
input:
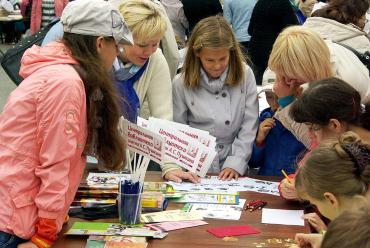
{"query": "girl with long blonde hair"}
[(216, 92)]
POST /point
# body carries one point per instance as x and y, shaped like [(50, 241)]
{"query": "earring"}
[(121, 50)]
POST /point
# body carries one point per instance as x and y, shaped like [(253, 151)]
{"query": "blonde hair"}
[(144, 18), (341, 168), (213, 32), (299, 53)]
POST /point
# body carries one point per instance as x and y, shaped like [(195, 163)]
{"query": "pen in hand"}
[(286, 176)]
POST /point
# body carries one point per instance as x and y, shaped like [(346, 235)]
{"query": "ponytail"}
[(341, 167)]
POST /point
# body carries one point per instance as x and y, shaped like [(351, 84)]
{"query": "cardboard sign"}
[(182, 147), (144, 142)]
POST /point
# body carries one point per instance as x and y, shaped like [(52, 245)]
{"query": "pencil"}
[(286, 176)]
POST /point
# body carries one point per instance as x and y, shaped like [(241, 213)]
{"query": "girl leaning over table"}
[(328, 108), (65, 108), (217, 92), (342, 183)]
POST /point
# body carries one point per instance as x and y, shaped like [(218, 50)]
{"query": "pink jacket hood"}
[(37, 57)]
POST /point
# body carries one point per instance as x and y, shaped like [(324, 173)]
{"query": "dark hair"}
[(331, 98), (103, 112), (341, 167), (350, 229), (344, 11)]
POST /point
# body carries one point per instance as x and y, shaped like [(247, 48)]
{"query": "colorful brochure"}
[(85, 202), (105, 180), (171, 215), (96, 193), (175, 225), (103, 228), (214, 198), (116, 241), (217, 211)]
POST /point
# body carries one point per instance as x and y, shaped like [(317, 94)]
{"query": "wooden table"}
[(198, 237)]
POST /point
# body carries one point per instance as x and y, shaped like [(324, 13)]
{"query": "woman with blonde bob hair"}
[(142, 74), (216, 92), (301, 56)]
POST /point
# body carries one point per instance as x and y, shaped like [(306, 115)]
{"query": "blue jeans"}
[(9, 241)]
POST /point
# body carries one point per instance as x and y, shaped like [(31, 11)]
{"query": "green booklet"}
[(104, 228)]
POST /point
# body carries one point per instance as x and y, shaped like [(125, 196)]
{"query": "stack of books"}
[(101, 189), (92, 196)]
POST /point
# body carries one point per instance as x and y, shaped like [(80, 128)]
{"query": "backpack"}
[(363, 57), (11, 61)]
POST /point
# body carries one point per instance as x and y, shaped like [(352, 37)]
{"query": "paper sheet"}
[(104, 228), (282, 217), (213, 184), (218, 211)]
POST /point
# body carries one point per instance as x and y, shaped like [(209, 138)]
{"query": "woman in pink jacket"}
[(65, 108), (42, 12)]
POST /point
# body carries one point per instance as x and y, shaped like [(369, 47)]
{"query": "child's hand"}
[(179, 175), (315, 221), (27, 245), (312, 240), (228, 174), (264, 129), (287, 189)]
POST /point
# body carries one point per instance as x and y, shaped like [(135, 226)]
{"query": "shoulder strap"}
[(363, 57), (357, 53)]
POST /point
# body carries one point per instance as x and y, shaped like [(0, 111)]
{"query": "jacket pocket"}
[(24, 216)]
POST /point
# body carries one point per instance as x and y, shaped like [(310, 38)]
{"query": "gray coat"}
[(230, 113)]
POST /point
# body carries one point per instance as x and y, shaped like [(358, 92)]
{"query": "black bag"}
[(11, 61), (108, 211), (363, 57)]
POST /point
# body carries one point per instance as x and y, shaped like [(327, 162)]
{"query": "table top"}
[(196, 237)]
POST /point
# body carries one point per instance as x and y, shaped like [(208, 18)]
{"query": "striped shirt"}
[(48, 12)]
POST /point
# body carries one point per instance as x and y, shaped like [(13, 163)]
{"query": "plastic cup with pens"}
[(129, 202)]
